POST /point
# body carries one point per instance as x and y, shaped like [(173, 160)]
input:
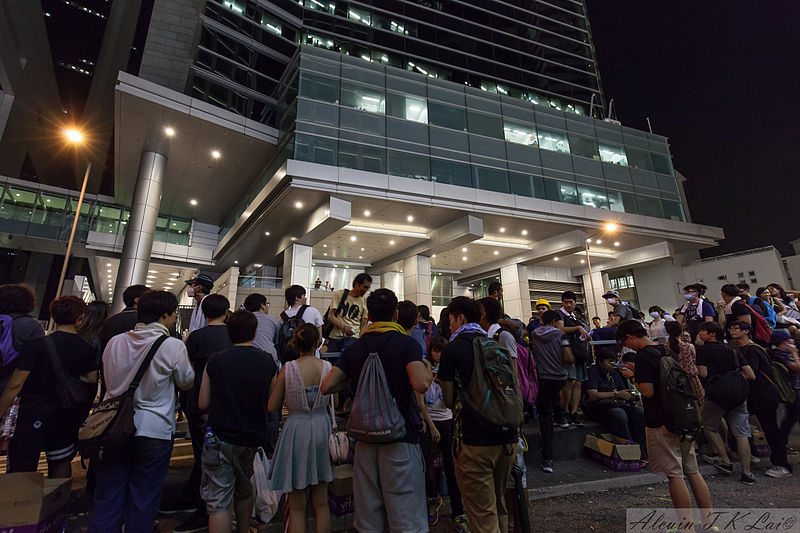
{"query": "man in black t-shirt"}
[(484, 463), (43, 424), (235, 391), (201, 345), (388, 479), (734, 309), (669, 454)]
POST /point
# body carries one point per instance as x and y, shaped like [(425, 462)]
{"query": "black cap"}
[(202, 279)]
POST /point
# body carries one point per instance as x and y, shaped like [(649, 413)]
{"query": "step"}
[(567, 443)]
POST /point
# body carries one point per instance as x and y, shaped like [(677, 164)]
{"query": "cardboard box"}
[(614, 452), (341, 505), (29, 503), (759, 444)]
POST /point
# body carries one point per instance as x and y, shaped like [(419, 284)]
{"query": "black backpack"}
[(730, 388), (290, 324), (580, 349), (677, 398), (327, 325)]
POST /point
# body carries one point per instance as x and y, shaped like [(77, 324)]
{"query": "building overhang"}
[(144, 111)]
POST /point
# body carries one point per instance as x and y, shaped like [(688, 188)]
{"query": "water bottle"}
[(211, 439)]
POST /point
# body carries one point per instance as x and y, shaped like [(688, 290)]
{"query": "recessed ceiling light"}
[(353, 238), (583, 261), (555, 259), (502, 230), (193, 201), (150, 277), (361, 257), (176, 274), (109, 270), (236, 262), (298, 205), (108, 264), (266, 233), (325, 246), (524, 232), (293, 239), (258, 265), (434, 255), (588, 240), (335, 266), (215, 154), (616, 243), (169, 132), (410, 218), (367, 213), (463, 249), (362, 250), (464, 258), (325, 254), (391, 243), (598, 241), (496, 252), (152, 271)]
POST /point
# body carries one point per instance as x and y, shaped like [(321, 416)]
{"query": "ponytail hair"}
[(306, 338), (674, 330)]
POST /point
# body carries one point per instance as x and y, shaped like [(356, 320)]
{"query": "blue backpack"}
[(7, 351)]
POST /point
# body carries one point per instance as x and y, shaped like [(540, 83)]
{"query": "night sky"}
[(721, 79)]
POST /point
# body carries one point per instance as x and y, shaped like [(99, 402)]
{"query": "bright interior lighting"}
[(524, 232), (362, 250), (152, 271), (298, 205), (109, 270), (367, 213), (294, 238), (169, 132), (616, 243), (391, 242), (611, 226), (325, 246), (496, 252), (74, 136), (236, 262), (555, 259), (193, 201), (353, 238), (266, 233), (361, 257), (583, 261), (463, 249), (598, 241), (108, 264), (325, 254), (216, 154), (410, 218), (464, 258), (502, 230)]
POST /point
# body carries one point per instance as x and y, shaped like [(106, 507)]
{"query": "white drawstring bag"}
[(267, 500)]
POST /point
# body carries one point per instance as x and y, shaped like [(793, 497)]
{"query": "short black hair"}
[(16, 298), (66, 310), (494, 287), (492, 309), (568, 295), (425, 312), (713, 327), (242, 326), (155, 304), (633, 328), (549, 317), (253, 302), (730, 289), (605, 353), (744, 326), (655, 308), (407, 313), (462, 305), (293, 293), (215, 306), (743, 285), (438, 343), (131, 293), (381, 305), (760, 290), (362, 279), (596, 317)]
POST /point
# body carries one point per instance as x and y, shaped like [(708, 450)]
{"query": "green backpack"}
[(493, 391), (780, 375)]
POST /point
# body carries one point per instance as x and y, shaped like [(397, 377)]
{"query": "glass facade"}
[(370, 116)]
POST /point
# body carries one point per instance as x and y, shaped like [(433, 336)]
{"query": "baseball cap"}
[(202, 279), (779, 335), (611, 294)]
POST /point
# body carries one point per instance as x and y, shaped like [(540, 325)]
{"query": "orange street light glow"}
[(73, 136)]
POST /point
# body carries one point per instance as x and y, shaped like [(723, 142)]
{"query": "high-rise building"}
[(436, 144)]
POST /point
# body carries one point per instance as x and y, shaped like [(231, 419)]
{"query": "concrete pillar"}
[(516, 291), (595, 306), (297, 266), (394, 281), (417, 280), (141, 227)]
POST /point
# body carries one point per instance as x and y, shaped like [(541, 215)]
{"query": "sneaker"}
[(461, 525), (547, 466), (748, 479), (778, 471), (433, 510), (725, 468), (574, 420), (561, 422), (177, 506), (198, 522)]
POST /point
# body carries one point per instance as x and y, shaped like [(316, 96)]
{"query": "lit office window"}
[(638, 158), (330, 7), (520, 134), (583, 146), (416, 109), (359, 15), (321, 42), (427, 70), (363, 97), (272, 24), (611, 153), (615, 201), (593, 197), (233, 7), (552, 140)]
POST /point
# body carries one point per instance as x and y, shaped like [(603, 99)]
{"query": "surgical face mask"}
[(655, 314), (689, 296), (190, 292), (612, 301)]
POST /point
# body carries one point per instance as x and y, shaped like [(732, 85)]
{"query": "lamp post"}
[(75, 137), (609, 228)]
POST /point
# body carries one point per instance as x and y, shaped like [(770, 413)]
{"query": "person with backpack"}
[(553, 355), (763, 399), (407, 317), (427, 325), (297, 314), (756, 303), (348, 313), (201, 344), (49, 415), (129, 481), (696, 310), (17, 328), (385, 368), (485, 437), (268, 326), (235, 391), (577, 334), (686, 353), (727, 378), (621, 310), (785, 352), (671, 416), (733, 308), (491, 314)]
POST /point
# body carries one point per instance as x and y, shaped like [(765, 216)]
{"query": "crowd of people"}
[(249, 383)]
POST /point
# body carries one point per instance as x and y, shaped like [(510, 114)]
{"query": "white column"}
[(394, 282), (297, 266), (417, 280), (516, 291), (595, 306)]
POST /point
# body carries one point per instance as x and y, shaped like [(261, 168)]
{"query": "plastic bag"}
[(267, 500)]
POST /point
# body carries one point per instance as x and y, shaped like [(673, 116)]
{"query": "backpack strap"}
[(284, 317), (340, 307), (301, 311), (146, 363)]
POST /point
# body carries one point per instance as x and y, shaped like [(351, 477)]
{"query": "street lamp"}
[(75, 138), (610, 227)]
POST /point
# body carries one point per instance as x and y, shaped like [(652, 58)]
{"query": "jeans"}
[(546, 401), (626, 423), (197, 430), (432, 478), (129, 488), (791, 417), (339, 345), (768, 418)]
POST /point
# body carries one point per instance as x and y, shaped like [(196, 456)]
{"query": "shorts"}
[(668, 455), (227, 473), (56, 434), (738, 418), (577, 372)]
